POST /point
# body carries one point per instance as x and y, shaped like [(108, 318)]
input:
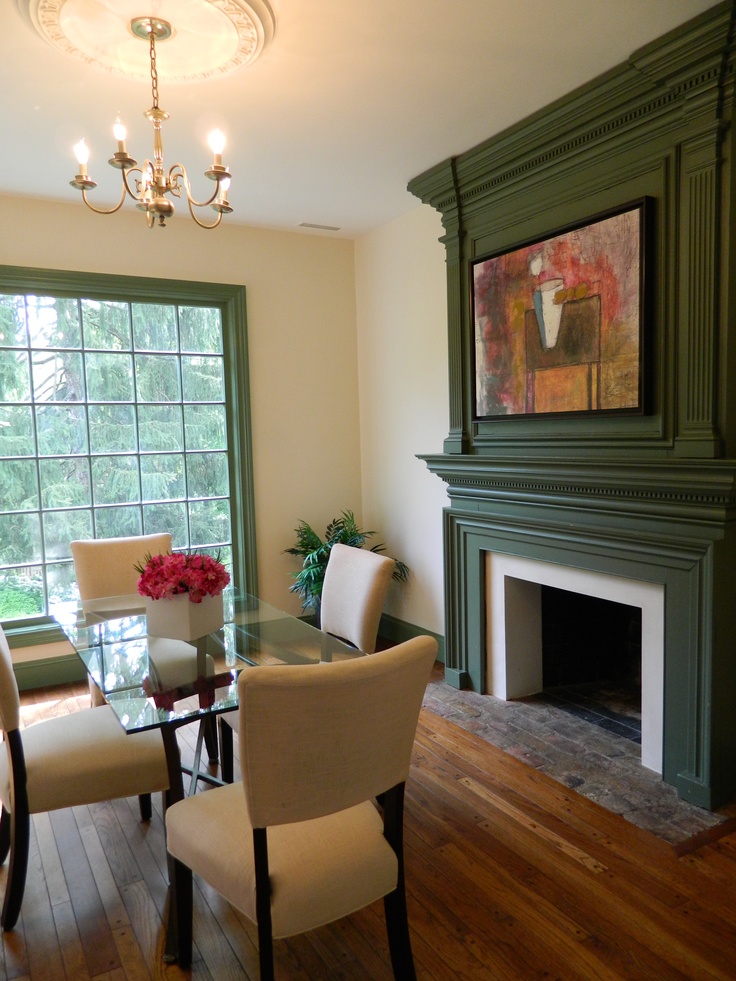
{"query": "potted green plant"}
[(315, 553)]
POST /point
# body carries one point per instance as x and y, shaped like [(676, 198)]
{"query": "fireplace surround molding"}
[(514, 645), (674, 533), (649, 497)]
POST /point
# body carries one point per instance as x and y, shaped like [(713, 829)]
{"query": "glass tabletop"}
[(153, 681)]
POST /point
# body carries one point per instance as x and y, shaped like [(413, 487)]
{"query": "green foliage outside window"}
[(112, 422)]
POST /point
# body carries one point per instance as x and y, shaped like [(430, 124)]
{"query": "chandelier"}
[(149, 184)]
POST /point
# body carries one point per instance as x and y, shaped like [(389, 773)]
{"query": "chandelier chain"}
[(154, 73)]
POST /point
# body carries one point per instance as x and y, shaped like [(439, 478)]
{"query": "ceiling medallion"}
[(211, 37)]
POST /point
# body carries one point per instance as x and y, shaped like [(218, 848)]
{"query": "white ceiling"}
[(349, 102)]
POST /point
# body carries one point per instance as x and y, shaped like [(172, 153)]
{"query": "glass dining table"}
[(158, 683)]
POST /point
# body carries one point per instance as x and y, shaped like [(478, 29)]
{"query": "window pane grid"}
[(112, 422)]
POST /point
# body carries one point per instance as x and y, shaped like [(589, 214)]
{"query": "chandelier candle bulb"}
[(81, 152), (216, 141), (82, 182), (119, 132)]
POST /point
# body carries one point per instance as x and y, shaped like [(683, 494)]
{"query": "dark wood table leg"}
[(175, 793)]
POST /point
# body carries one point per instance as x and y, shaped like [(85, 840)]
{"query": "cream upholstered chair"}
[(106, 566), (353, 593), (301, 841), (50, 765)]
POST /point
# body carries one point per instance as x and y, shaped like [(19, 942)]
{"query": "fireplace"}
[(590, 641), (514, 650), (658, 537)]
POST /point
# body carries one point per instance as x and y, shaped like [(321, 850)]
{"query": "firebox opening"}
[(591, 659)]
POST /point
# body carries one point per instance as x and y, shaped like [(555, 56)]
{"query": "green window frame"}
[(222, 383)]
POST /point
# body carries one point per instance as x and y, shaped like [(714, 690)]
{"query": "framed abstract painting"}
[(558, 322)]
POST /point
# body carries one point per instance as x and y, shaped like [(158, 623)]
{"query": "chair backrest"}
[(353, 594), (9, 697), (106, 566), (318, 738)]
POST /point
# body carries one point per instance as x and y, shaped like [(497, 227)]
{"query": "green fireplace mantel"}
[(648, 496), (657, 127)]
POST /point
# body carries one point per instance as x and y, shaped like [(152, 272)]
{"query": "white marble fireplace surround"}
[(514, 632)]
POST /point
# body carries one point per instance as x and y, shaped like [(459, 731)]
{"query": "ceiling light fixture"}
[(150, 184)]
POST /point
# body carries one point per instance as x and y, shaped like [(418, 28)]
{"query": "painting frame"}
[(558, 321)]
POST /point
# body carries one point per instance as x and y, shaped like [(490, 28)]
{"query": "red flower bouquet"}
[(200, 575)]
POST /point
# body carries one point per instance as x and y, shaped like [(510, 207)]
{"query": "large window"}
[(118, 416)]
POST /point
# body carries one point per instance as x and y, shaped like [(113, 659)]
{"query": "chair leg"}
[(265, 958), (4, 835), (145, 806), (210, 738), (263, 904), (20, 838), (394, 904), (399, 941), (226, 750), (183, 911)]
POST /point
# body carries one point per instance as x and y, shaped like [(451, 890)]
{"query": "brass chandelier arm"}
[(178, 172), (126, 186), (201, 223), (104, 211)]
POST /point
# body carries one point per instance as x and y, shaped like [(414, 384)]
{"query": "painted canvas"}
[(558, 322)]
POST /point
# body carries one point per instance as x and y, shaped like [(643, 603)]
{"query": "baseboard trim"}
[(46, 672), (397, 631)]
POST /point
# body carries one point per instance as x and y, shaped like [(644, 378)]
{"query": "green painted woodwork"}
[(230, 299), (49, 671), (398, 631), (649, 497), (656, 127)]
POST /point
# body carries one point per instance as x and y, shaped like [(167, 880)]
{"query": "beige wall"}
[(310, 447), (402, 358), (302, 342)]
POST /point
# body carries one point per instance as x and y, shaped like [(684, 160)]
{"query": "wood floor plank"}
[(112, 901), (140, 836), (517, 834), (44, 960), (148, 929), (584, 832), (99, 948), (70, 944), (53, 871), (221, 926), (14, 953), (117, 975), (115, 843)]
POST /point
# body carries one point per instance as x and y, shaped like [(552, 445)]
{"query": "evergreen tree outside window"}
[(123, 411)]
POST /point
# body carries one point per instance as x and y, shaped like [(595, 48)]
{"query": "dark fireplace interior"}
[(591, 650)]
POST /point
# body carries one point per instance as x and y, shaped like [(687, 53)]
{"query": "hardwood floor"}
[(510, 876)]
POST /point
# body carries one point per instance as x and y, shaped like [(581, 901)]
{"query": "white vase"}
[(180, 619)]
